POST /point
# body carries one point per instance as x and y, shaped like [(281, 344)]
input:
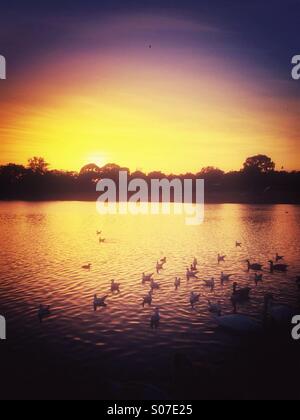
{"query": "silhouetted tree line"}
[(257, 182)]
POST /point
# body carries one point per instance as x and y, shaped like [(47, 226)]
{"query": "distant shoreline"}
[(208, 200)]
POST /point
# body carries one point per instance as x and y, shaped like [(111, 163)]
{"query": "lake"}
[(45, 245)]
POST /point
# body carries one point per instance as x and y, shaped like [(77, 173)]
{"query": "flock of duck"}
[(276, 313)]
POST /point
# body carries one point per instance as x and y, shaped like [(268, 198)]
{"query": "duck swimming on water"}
[(240, 295), (279, 257), (278, 267), (148, 299), (191, 274), (215, 308), (147, 277), (280, 314), (155, 319), (177, 282), (225, 277), (221, 258), (159, 266), (210, 283), (194, 298), (154, 285), (258, 278), (254, 267), (239, 324), (115, 287), (44, 312), (99, 302)]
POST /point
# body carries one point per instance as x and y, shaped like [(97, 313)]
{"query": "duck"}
[(279, 314), (177, 282), (221, 258), (44, 312), (98, 302), (155, 319), (239, 296), (255, 267), (147, 300), (258, 278), (147, 277), (194, 298), (154, 285), (102, 240), (215, 308), (115, 287), (191, 274), (239, 324), (87, 267), (238, 244), (99, 232), (210, 283), (225, 277), (279, 257), (278, 267), (159, 266), (164, 260)]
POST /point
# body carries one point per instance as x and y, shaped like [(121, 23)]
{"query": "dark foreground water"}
[(113, 352)]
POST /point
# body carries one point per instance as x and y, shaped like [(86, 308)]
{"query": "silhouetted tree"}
[(261, 164), (258, 182), (38, 165)]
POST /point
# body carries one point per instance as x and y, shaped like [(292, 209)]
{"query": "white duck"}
[(280, 314), (239, 324), (225, 277), (154, 285), (147, 277), (191, 274), (115, 287), (148, 299), (99, 302), (177, 282), (210, 283), (155, 319), (194, 298), (215, 308), (159, 266)]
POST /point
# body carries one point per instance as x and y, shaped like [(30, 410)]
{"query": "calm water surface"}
[(44, 246)]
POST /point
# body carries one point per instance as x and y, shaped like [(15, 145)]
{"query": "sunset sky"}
[(214, 88)]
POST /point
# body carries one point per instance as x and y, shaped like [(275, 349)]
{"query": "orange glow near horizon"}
[(162, 108)]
